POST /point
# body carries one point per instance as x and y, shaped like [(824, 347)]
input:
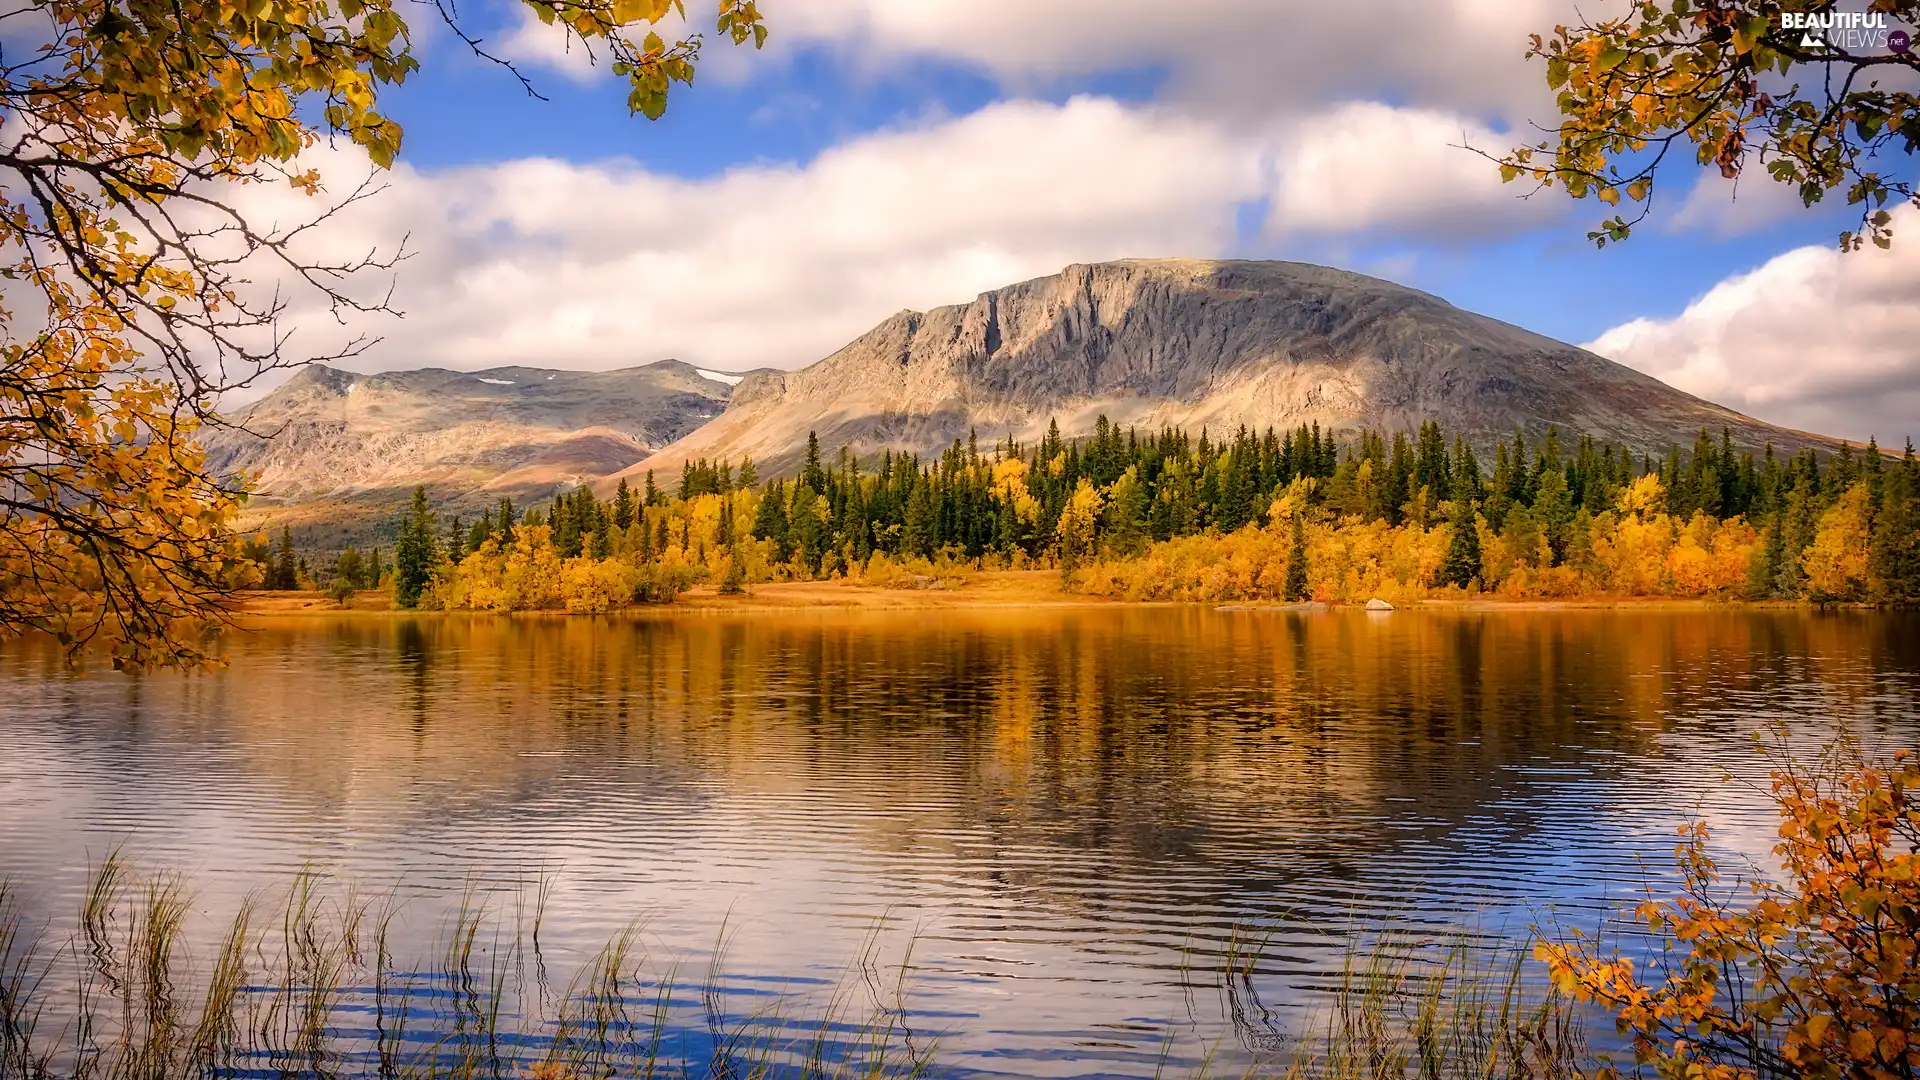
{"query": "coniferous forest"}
[(1294, 516)]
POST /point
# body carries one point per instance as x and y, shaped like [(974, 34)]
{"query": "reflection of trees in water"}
[(1261, 746)]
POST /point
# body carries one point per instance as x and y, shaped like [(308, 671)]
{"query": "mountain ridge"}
[(1197, 343), (470, 436)]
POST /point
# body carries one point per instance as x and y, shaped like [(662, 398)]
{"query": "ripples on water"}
[(1069, 812)]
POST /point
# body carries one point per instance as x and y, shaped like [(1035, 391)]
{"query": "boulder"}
[(1377, 604)]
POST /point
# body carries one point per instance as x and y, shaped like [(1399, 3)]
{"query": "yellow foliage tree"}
[(1814, 976), (1821, 106), (1836, 561), (1077, 523), (127, 125)]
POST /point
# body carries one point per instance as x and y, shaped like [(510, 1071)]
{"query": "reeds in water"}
[(304, 984)]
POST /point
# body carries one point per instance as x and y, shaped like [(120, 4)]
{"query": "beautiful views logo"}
[(1847, 31)]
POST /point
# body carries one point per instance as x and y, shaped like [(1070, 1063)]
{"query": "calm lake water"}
[(1068, 815)]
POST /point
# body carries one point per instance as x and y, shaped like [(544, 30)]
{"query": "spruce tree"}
[(1126, 514), (349, 568), (770, 520), (284, 574), (807, 529), (811, 474), (1297, 561), (1763, 572), (413, 552), (1553, 507), (1800, 521), (623, 506), (1462, 565), (917, 535), (1894, 558)]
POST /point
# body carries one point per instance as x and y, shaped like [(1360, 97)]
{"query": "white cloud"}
[(549, 262), (532, 43), (541, 261), (1232, 57), (1366, 166), (1725, 208), (1812, 339)]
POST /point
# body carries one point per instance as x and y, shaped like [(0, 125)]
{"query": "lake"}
[(1044, 831)]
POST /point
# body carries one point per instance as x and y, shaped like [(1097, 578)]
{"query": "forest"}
[(1294, 516)]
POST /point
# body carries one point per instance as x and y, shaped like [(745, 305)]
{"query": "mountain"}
[(335, 438), (1190, 343)]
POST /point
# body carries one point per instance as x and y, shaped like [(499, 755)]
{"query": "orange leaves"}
[(1817, 977), (1670, 75)]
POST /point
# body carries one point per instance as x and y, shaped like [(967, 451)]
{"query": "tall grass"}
[(304, 984)]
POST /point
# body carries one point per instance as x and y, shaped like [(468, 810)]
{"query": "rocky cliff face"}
[(1191, 343), (471, 437)]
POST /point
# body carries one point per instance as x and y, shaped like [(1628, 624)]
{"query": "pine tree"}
[(811, 474), (917, 535), (770, 520), (1801, 522), (284, 573), (1462, 565), (349, 568), (1296, 586), (749, 476), (623, 506), (413, 552), (375, 571), (1763, 572), (807, 529), (1894, 558), (1126, 514), (1554, 509)]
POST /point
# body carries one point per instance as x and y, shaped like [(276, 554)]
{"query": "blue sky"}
[(879, 155)]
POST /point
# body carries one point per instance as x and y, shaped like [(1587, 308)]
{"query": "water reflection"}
[(1071, 807)]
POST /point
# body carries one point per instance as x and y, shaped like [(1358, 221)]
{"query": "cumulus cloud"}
[(1724, 208), (600, 265), (1366, 166), (1812, 339), (530, 42), (1235, 57), (542, 261)]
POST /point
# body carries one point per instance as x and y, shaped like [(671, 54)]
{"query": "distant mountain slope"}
[(1192, 343), (470, 437)]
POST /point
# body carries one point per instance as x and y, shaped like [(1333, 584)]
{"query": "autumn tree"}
[(1819, 103), (1836, 562), (134, 303), (350, 568), (1078, 522), (1815, 974)]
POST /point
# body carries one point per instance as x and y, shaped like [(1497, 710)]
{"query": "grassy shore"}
[(983, 589)]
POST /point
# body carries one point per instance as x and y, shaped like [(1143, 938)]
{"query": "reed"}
[(303, 983)]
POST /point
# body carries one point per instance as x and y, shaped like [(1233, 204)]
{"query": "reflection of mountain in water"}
[(1221, 754), (1065, 802)]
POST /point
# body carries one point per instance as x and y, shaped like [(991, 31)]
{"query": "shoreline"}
[(992, 589)]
